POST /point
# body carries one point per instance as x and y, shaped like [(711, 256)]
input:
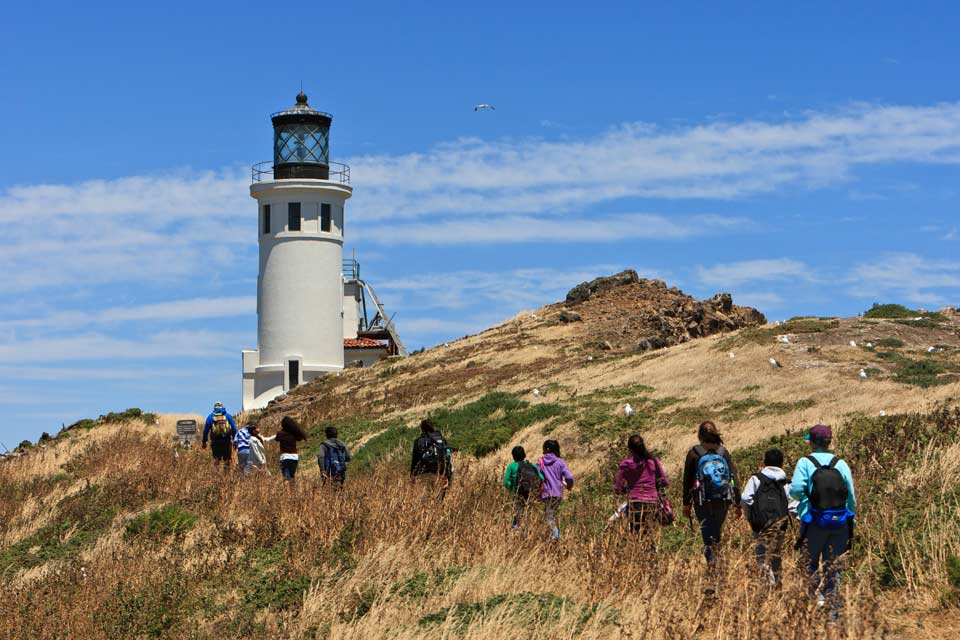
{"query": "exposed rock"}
[(354, 364), (570, 316), (584, 291)]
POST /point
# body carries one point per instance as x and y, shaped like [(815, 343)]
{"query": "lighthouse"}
[(311, 304)]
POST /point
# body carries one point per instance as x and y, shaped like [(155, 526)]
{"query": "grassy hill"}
[(109, 532)]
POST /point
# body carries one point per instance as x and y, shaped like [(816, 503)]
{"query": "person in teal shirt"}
[(520, 484), (826, 518)]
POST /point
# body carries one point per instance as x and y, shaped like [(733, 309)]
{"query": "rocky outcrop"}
[(585, 290), (635, 314)]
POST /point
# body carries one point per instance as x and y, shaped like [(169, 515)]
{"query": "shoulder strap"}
[(699, 450), (656, 467), (762, 478), (815, 462), (833, 462), (721, 451)]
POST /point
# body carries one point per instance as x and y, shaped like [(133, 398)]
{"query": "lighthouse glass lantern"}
[(301, 142)]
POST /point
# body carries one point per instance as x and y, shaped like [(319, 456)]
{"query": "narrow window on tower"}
[(293, 216), (266, 219), (324, 217)]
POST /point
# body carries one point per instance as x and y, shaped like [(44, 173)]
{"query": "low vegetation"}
[(898, 311)]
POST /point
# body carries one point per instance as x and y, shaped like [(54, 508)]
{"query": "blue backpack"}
[(335, 461), (713, 475)]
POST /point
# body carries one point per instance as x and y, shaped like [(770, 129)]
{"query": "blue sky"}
[(804, 158)]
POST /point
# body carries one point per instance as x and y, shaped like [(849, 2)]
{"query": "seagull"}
[(775, 364), (589, 358), (484, 106), (536, 393), (783, 339), (628, 410), (853, 343), (731, 355), (863, 374), (932, 349), (869, 345), (882, 413)]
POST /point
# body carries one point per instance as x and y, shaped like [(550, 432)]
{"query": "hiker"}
[(823, 485), (333, 457), (768, 505), (709, 481), (640, 476), (556, 475), (258, 457), (287, 437), (432, 456), (219, 429), (241, 442), (524, 480)]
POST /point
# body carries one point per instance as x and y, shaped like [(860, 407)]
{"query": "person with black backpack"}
[(709, 486), (823, 485), (768, 505), (333, 457), (432, 456), (524, 480)]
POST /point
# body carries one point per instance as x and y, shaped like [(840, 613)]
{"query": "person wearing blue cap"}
[(823, 486)]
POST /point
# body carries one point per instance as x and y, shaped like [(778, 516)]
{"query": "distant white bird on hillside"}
[(882, 413), (783, 339), (869, 345), (731, 355), (628, 410), (932, 350), (536, 393), (775, 364), (863, 374), (484, 106), (853, 343)]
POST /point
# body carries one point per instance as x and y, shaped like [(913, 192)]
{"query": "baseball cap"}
[(820, 433)]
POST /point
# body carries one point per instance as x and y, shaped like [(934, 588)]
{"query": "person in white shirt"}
[(258, 457), (769, 507)]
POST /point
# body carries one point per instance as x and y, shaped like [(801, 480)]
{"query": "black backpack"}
[(829, 491), (529, 482), (434, 454), (769, 503)]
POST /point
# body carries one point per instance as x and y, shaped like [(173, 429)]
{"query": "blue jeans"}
[(551, 506), (243, 460), (711, 516), (824, 547), (289, 468)]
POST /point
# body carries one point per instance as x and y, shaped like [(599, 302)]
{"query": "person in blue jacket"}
[(826, 507), (219, 429)]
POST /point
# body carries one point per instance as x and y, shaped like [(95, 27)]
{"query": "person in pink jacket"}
[(639, 476)]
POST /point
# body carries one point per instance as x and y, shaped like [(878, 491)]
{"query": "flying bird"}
[(775, 364), (484, 106), (628, 410)]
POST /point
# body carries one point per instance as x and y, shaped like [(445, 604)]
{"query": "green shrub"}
[(953, 571), (889, 311), (165, 521), (922, 373), (892, 343)]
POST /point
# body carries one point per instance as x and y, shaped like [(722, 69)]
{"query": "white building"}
[(311, 304)]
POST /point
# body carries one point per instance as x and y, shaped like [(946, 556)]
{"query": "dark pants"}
[(769, 548), (222, 450), (824, 547), (289, 468), (551, 507), (711, 516), (519, 509), (641, 515)]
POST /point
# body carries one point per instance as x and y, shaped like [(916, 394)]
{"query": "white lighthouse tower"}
[(300, 290)]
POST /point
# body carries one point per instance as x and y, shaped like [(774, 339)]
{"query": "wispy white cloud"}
[(737, 273), (174, 310), (613, 228), (95, 347), (906, 276)]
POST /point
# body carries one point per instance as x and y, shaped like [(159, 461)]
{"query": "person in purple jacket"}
[(556, 475), (639, 476)]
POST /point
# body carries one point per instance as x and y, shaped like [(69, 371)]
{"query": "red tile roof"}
[(363, 343)]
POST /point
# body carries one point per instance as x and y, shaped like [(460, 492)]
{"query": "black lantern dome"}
[(301, 142)]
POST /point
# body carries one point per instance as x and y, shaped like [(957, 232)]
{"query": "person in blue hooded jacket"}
[(219, 429), (826, 511)]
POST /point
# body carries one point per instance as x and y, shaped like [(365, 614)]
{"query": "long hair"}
[(708, 433), (637, 447), (290, 425), (551, 446)]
